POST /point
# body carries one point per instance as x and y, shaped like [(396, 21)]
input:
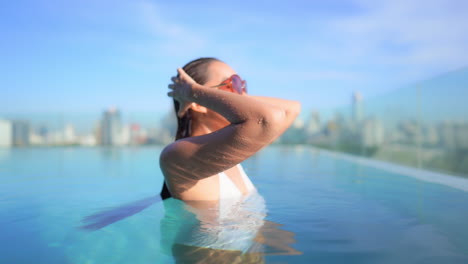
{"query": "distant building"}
[(21, 132), (313, 124), (160, 136), (40, 135), (410, 130), (56, 137), (447, 135), (455, 135), (294, 134), (6, 135), (88, 140), (141, 136), (298, 123), (126, 135), (42, 131), (111, 128), (372, 133), (431, 136), (461, 135), (69, 135), (357, 107)]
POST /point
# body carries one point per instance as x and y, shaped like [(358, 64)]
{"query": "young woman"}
[(219, 126)]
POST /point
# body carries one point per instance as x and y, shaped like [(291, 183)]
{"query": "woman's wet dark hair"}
[(197, 69)]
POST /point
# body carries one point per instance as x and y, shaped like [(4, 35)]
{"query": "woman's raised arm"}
[(255, 123)]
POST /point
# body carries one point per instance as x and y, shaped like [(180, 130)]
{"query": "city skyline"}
[(442, 97), (438, 146)]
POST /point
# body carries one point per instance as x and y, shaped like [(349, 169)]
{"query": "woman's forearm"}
[(234, 107), (291, 107)]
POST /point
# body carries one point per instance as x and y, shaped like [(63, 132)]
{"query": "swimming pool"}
[(98, 205)]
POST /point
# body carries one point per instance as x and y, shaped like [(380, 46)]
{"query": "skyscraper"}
[(111, 127), (313, 124), (372, 133), (69, 135), (6, 135), (21, 132), (357, 107)]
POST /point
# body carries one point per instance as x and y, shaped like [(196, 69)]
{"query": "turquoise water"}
[(92, 205)]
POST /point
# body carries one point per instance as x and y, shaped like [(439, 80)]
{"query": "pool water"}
[(98, 205)]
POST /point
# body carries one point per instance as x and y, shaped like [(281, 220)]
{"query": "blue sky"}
[(83, 56)]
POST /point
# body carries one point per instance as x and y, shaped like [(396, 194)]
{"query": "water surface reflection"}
[(228, 231)]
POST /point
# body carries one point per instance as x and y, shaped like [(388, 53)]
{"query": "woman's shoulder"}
[(171, 157), (174, 151), (187, 160)]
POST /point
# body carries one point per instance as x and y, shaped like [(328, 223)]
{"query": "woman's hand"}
[(181, 89)]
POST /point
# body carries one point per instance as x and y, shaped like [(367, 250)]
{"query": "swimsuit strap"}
[(227, 189), (248, 184)]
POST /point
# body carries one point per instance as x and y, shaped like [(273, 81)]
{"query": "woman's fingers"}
[(183, 109), (184, 76), (183, 106), (179, 89)]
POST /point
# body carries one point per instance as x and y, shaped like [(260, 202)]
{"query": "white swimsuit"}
[(227, 189), (230, 225)]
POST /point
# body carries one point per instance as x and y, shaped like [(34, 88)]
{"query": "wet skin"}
[(227, 128)]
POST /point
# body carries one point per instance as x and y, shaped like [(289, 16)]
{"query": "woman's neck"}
[(206, 124), (199, 129)]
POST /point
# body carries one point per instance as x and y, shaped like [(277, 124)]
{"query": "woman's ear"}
[(198, 108)]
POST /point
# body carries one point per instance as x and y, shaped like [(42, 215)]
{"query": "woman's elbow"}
[(273, 121), (273, 117)]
